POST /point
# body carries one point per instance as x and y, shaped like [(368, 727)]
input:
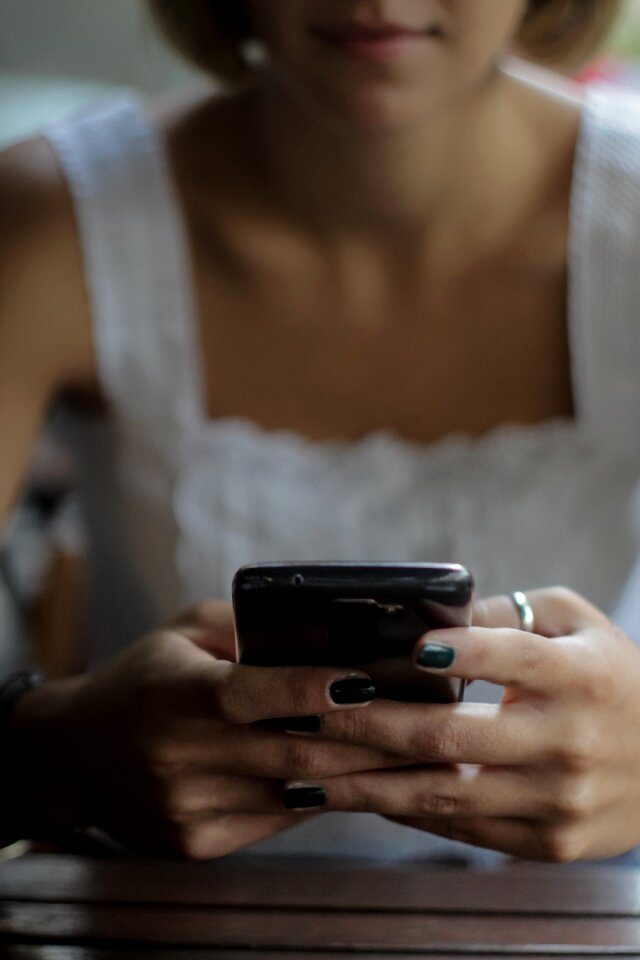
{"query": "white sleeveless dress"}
[(175, 502)]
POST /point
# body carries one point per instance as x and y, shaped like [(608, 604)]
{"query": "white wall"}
[(57, 54), (107, 40)]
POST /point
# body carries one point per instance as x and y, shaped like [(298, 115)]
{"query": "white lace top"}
[(176, 503)]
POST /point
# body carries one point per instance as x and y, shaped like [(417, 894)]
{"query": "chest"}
[(329, 349)]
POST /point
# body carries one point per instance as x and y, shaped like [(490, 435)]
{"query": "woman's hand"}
[(551, 773), (160, 747)]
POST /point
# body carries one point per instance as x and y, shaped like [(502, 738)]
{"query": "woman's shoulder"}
[(43, 311), (611, 137), (32, 194), (614, 108), (607, 169), (605, 280)]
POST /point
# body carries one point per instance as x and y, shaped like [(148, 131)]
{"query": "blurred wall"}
[(105, 40)]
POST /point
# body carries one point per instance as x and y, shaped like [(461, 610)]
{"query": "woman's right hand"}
[(161, 750)]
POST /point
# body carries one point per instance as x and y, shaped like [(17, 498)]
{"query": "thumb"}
[(210, 626)]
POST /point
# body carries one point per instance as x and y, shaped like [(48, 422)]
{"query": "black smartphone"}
[(357, 615)]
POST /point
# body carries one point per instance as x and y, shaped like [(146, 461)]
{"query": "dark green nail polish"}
[(435, 656), (352, 690), (311, 724), (304, 798)]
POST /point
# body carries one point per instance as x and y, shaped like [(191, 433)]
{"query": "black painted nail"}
[(352, 690), (436, 656), (294, 724), (304, 798)]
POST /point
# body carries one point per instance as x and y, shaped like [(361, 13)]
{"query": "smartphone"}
[(355, 615)]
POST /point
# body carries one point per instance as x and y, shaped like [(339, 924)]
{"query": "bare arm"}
[(45, 338)]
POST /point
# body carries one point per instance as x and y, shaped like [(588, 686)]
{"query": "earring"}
[(254, 52)]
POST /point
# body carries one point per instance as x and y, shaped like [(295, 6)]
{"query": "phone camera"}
[(297, 580), (392, 610)]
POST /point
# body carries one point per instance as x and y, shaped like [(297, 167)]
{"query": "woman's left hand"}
[(551, 773)]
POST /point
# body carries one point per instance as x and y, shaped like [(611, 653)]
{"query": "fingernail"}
[(304, 798), (352, 690), (435, 656), (295, 724)]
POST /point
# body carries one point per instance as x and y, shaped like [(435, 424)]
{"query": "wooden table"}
[(55, 907)]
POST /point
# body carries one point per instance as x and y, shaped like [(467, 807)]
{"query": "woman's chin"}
[(371, 109), (361, 105), (390, 110), (377, 112)]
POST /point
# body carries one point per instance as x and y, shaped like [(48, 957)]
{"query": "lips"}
[(378, 41)]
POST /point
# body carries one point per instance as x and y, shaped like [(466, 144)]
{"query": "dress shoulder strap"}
[(605, 261), (134, 250)]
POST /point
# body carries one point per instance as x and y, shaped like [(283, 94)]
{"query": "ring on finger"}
[(524, 610)]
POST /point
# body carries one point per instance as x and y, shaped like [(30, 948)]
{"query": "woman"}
[(374, 302)]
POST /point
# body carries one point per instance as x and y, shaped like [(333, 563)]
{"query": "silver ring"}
[(524, 611)]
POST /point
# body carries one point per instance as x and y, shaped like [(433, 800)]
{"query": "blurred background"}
[(56, 55)]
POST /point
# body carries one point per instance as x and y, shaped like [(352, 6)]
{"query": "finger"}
[(205, 796), (210, 626), (528, 839), (250, 751), (475, 733), (220, 836), (511, 658), (451, 792), (495, 649), (257, 753), (557, 611), (238, 694)]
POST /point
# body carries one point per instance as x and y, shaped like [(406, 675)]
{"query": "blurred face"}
[(384, 63)]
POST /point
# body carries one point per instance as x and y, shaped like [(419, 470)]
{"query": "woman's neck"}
[(344, 181)]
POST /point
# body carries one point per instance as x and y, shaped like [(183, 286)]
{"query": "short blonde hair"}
[(210, 34)]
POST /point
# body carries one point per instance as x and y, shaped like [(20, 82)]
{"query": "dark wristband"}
[(16, 822), (11, 689), (20, 815)]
